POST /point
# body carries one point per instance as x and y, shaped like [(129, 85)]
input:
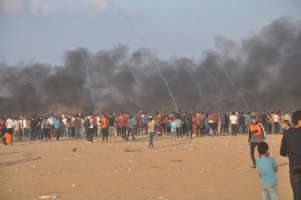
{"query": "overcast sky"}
[(43, 30)]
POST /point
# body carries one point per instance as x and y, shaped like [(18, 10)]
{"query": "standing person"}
[(122, 125), (50, 124), (38, 124), (198, 124), (189, 126), (104, 128), (94, 123), (151, 131), (242, 122), (64, 125), (267, 167), (130, 123), (2, 126), (276, 120), (33, 134), (227, 123), (291, 147), (173, 130), (263, 120), (138, 122), (69, 126), (205, 127), (16, 129), (24, 127), (287, 117), (210, 122), (112, 128), (256, 135), (234, 122), (77, 124), (179, 129), (57, 126), (46, 129), (144, 121), (223, 123), (164, 119), (87, 124), (216, 119), (9, 125), (135, 127)]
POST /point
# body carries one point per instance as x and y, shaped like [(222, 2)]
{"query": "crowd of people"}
[(125, 124), (177, 125)]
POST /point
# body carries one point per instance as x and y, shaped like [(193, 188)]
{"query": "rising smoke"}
[(263, 72)]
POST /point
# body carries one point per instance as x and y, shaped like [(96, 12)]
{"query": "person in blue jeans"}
[(151, 131), (267, 167)]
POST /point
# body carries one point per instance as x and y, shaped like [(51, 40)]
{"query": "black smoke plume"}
[(263, 72)]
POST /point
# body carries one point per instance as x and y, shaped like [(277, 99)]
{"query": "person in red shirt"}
[(104, 128), (215, 122), (2, 126), (122, 125)]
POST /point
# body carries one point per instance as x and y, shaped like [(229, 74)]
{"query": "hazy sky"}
[(43, 30)]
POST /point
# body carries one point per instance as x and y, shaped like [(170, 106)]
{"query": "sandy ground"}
[(202, 168)]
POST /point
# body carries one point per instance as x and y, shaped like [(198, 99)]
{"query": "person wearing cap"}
[(256, 135), (291, 147)]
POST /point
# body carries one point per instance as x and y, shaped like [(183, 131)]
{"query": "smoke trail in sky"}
[(220, 94), (198, 87), (89, 82), (169, 91), (235, 89)]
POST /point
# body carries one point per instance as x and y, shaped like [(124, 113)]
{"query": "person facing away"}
[(291, 147), (267, 167)]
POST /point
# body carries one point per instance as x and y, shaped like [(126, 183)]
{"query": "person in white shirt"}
[(276, 118), (233, 122), (24, 126), (65, 129), (9, 125)]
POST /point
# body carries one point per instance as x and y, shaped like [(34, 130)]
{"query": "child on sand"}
[(267, 167), (286, 125), (173, 127)]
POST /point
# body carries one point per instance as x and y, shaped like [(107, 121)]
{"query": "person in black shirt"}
[(263, 120), (112, 128), (291, 147)]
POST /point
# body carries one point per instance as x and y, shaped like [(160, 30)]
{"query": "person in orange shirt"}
[(104, 128), (256, 136), (6, 139)]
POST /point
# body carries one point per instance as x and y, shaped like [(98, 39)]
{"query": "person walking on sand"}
[(151, 132), (256, 135), (267, 167)]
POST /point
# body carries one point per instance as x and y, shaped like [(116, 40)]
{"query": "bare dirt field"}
[(201, 168)]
